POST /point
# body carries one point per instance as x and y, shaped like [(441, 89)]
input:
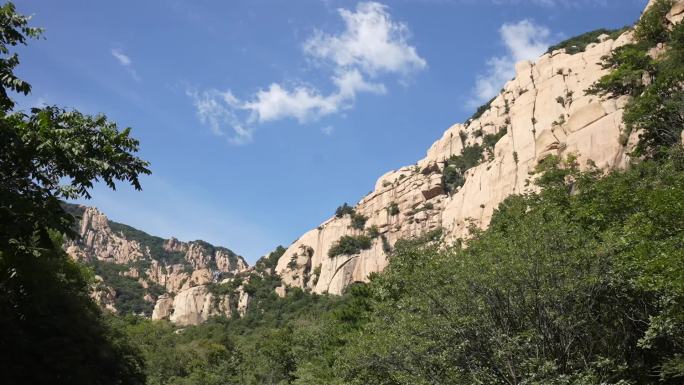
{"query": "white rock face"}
[(163, 308), (100, 242), (196, 305), (545, 112), (182, 301)]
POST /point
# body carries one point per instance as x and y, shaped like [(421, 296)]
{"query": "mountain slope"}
[(163, 278), (474, 166)]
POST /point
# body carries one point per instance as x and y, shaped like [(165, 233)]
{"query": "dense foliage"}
[(281, 340), (655, 82), (350, 245), (51, 332), (343, 210), (580, 284), (129, 293)]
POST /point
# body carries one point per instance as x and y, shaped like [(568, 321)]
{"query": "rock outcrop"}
[(543, 111), (97, 240), (181, 271)]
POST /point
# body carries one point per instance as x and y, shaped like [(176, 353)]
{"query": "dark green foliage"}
[(393, 209), (51, 332), (651, 29), (293, 262), (579, 43), (490, 140), (373, 232), (657, 106), (456, 166), (629, 64), (281, 340), (386, 247), (581, 285), (350, 245), (343, 210), (193, 357), (482, 109), (230, 289), (129, 292), (659, 111), (358, 221), (470, 156), (15, 31), (271, 260)]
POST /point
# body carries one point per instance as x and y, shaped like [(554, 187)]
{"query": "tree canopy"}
[(51, 332)]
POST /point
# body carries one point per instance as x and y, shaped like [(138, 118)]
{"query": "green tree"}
[(581, 284), (50, 330)]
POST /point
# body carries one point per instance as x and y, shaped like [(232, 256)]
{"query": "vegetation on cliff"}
[(581, 283)]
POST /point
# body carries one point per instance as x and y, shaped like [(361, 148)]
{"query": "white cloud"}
[(371, 41), (217, 110), (523, 41), (301, 103), (126, 62), (371, 44), (327, 130), (123, 59)]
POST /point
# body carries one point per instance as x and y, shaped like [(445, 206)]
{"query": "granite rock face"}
[(544, 111), (181, 271)]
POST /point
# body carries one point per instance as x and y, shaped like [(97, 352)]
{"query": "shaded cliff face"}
[(543, 111), (162, 278)]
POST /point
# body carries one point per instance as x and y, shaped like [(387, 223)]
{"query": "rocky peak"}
[(162, 272), (98, 241), (474, 166)]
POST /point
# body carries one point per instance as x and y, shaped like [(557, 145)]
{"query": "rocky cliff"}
[(543, 111), (161, 278)]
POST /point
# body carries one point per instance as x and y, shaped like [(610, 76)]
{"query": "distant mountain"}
[(159, 278)]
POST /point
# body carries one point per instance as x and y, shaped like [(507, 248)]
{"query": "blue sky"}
[(261, 117)]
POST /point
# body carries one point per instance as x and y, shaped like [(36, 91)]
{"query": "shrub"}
[(393, 209), (629, 64), (560, 100), (482, 109), (651, 29), (453, 175), (579, 43), (490, 140), (657, 107), (350, 245), (373, 231), (293, 262), (271, 260), (358, 221), (386, 247), (343, 210)]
